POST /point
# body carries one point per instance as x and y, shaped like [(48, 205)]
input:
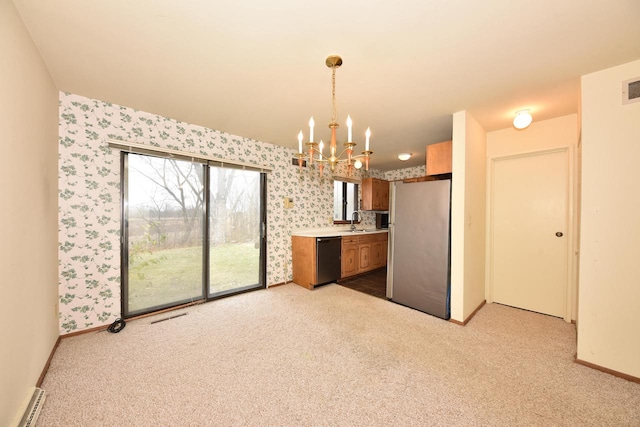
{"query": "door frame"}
[(570, 293)]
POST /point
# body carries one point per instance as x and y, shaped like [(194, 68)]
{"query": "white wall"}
[(28, 212), (467, 216), (609, 300), (539, 136)]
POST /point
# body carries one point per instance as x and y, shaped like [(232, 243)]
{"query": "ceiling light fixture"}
[(314, 150), (404, 156), (522, 119)]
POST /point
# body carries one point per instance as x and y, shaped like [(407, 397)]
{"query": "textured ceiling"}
[(256, 69)]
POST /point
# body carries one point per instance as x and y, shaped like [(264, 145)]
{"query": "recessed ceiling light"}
[(404, 156), (522, 120)]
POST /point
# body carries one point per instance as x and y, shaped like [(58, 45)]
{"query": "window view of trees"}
[(345, 200), (165, 213)]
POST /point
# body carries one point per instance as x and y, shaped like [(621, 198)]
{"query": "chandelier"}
[(315, 150)]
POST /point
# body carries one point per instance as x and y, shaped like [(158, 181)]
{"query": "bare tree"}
[(178, 191), (219, 212), (182, 182)]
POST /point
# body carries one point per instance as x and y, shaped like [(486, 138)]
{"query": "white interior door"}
[(530, 232)]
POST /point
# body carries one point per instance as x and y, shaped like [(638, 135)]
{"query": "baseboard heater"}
[(33, 410)]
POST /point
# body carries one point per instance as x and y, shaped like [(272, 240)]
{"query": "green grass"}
[(172, 275)]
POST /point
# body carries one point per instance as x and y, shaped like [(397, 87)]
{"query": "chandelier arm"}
[(338, 156), (326, 158)]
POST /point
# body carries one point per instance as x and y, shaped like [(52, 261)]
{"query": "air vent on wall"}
[(631, 91), (32, 412), (294, 162)]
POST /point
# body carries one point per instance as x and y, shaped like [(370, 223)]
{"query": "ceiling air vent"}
[(631, 91)]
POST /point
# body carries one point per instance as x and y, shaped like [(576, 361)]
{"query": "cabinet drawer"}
[(373, 238), (349, 239)]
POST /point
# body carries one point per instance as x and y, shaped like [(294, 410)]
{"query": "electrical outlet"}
[(288, 202)]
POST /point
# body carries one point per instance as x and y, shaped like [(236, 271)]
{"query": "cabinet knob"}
[(559, 234)]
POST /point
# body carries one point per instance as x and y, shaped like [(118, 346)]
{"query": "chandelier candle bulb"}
[(349, 129), (311, 125), (366, 143), (300, 142)]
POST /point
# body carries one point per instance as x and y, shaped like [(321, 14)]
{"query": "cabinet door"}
[(376, 255), (384, 195), (379, 252), (367, 194), (304, 261), (439, 158), (364, 257), (384, 252), (349, 260), (377, 196)]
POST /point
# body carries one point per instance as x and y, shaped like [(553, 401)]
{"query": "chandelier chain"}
[(334, 114)]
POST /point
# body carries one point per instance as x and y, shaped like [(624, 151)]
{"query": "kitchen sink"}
[(358, 231)]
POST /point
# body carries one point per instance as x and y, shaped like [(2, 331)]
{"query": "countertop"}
[(331, 232)]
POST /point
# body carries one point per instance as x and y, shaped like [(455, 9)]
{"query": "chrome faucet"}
[(355, 213)]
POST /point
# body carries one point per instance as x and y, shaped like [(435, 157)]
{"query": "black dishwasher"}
[(328, 266)]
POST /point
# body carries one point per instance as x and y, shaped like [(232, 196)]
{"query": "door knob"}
[(559, 234)]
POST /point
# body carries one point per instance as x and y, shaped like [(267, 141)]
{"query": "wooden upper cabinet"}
[(384, 195), (375, 194), (439, 158)]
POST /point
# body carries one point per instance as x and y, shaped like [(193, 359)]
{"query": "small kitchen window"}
[(345, 200)]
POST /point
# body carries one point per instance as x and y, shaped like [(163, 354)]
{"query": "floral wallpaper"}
[(398, 174), (89, 198)]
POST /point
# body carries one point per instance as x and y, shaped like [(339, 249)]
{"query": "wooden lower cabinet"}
[(378, 254), (349, 258), (303, 251), (363, 253), (359, 254), (364, 257)]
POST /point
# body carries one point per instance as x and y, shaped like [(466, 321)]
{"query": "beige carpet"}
[(292, 357)]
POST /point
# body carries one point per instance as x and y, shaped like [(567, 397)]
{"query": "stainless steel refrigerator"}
[(419, 273)]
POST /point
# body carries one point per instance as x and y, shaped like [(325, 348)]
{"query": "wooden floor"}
[(373, 283)]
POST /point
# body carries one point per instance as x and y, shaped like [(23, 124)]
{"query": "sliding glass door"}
[(190, 231), (235, 218)]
